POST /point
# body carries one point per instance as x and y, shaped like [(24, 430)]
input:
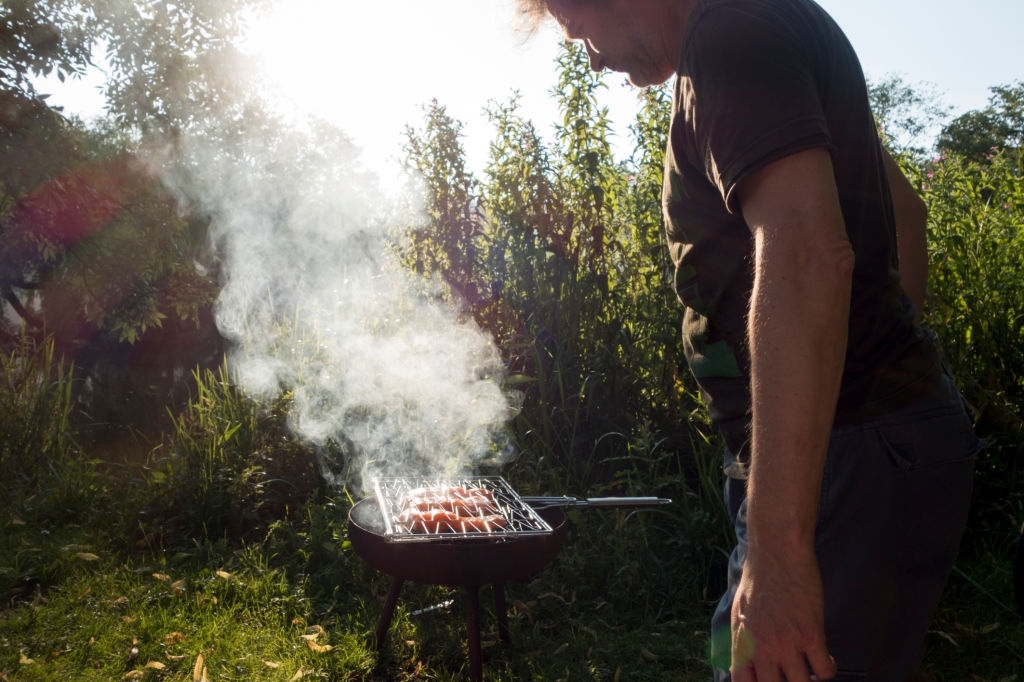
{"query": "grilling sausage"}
[(482, 524), (443, 521), (463, 501), (450, 509)]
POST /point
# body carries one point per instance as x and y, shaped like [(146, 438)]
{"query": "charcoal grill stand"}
[(468, 564), (472, 621)]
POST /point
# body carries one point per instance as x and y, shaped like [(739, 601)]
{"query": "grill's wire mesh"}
[(519, 517)]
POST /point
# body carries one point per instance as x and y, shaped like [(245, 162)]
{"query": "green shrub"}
[(976, 259), (36, 443), (230, 468)]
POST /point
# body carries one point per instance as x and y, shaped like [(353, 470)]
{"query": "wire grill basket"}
[(518, 517)]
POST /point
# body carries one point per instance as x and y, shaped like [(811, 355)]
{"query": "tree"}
[(448, 246), (978, 134), (94, 249), (38, 37), (907, 115), (170, 65)]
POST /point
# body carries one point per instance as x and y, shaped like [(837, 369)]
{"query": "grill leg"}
[(476, 670), (501, 608), (384, 621)]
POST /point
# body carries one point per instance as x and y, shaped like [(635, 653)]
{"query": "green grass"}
[(301, 601), (619, 603), (976, 633), (198, 562), (125, 620)]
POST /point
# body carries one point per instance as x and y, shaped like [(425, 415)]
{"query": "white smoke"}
[(315, 303)]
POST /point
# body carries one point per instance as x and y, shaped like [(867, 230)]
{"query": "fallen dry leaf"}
[(134, 675), (199, 669), (648, 655), (554, 595), (298, 675), (178, 587), (87, 556), (273, 665), (175, 638), (76, 548), (225, 575), (313, 632), (23, 659), (319, 648), (155, 665), (162, 577)]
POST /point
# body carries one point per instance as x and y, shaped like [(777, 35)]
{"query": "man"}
[(849, 452)]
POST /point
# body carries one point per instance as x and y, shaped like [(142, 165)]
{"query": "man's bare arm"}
[(797, 325)]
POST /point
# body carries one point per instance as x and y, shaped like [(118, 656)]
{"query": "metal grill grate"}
[(518, 517)]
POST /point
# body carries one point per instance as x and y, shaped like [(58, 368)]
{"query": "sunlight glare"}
[(370, 68), (313, 56)]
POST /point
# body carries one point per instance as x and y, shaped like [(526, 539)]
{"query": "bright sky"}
[(371, 66)]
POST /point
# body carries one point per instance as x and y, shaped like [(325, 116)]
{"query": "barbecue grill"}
[(530, 535)]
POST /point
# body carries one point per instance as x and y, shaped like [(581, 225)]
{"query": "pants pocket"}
[(941, 438)]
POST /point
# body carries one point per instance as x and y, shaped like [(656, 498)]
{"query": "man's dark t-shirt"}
[(759, 80)]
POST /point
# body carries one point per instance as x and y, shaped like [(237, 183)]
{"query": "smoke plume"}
[(315, 303)]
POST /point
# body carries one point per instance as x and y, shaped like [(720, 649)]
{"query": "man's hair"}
[(532, 12)]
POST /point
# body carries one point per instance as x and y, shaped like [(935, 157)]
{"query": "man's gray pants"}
[(894, 502)]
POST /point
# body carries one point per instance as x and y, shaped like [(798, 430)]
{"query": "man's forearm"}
[(798, 327), (798, 319)]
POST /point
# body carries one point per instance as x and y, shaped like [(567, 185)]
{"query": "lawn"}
[(97, 587)]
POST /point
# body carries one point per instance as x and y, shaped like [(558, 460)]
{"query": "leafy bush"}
[(559, 253), (230, 468), (975, 214), (976, 210)]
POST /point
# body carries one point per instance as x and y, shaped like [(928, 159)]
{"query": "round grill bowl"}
[(455, 563)]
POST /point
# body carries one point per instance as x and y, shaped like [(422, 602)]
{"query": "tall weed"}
[(976, 244), (37, 449), (230, 468)]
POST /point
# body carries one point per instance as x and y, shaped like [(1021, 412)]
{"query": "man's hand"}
[(778, 628)]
